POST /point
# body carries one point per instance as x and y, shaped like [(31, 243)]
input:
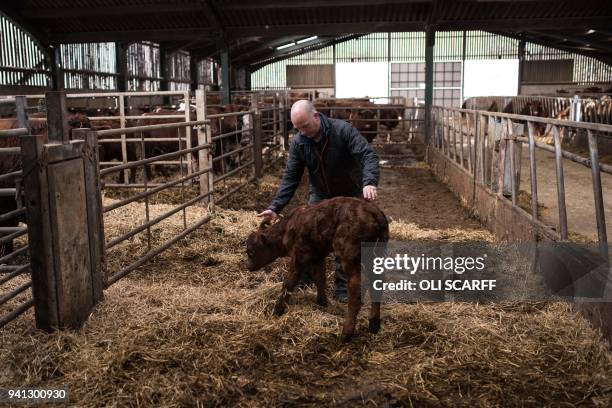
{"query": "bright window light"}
[(591, 31), (303, 40), (285, 46)]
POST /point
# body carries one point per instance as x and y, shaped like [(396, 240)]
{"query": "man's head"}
[(305, 118)]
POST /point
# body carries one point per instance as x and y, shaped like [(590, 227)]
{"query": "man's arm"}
[(291, 179), (363, 152)]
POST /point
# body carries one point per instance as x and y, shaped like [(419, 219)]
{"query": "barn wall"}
[(409, 48)]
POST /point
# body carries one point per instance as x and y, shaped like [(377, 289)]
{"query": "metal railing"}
[(182, 181), (487, 145), (15, 272), (581, 109)]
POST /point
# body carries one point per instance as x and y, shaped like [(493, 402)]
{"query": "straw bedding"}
[(194, 328)]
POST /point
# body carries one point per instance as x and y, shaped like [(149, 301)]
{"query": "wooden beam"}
[(156, 35), (267, 5), (335, 29), (76, 12)]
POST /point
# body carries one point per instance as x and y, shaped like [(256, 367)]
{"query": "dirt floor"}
[(194, 328)]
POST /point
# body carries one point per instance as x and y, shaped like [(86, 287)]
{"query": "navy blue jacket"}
[(341, 164)]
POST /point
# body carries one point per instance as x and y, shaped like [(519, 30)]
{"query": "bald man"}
[(340, 162)]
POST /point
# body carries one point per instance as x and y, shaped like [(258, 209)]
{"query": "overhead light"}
[(303, 40), (591, 31), (285, 46)]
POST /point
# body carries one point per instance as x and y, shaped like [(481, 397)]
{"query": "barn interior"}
[(139, 139)]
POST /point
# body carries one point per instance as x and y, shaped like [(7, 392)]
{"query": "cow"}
[(221, 125), (152, 149), (364, 120), (308, 234)]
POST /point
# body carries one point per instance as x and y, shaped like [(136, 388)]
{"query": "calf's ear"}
[(264, 224)]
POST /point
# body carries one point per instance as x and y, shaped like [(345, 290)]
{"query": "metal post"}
[(225, 76), (121, 66), (599, 205), (521, 58), (532, 168), (163, 72), (560, 185), (513, 183), (501, 159), (463, 64), (204, 156), (334, 66), (187, 100), (430, 40), (284, 101), (194, 73), (257, 144), (124, 158)]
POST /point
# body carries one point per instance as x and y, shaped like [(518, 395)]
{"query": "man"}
[(340, 162)]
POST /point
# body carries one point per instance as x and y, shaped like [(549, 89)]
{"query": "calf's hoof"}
[(279, 309), (374, 325)]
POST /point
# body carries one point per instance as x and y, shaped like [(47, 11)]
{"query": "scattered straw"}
[(194, 328)]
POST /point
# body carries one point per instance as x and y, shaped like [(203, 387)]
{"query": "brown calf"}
[(308, 235)]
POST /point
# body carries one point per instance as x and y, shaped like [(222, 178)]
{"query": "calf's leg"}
[(318, 275), (288, 286), (352, 270)]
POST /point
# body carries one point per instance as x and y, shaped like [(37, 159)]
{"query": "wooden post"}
[(66, 280), (57, 117), (95, 218), (204, 155), (121, 66), (39, 233), (54, 58), (21, 112), (225, 75), (194, 73)]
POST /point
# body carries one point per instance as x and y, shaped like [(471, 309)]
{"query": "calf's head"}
[(261, 249)]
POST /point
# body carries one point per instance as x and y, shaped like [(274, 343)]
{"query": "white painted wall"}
[(491, 78), (360, 79)]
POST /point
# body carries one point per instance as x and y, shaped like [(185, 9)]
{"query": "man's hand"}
[(369, 193), (268, 215)]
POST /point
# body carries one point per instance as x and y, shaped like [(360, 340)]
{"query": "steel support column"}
[(430, 40)]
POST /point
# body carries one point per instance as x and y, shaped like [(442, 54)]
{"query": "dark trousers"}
[(340, 281)]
